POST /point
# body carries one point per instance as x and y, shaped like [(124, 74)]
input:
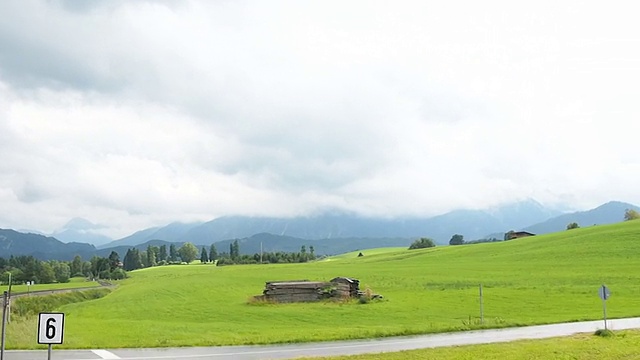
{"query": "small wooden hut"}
[(307, 291), (347, 287)]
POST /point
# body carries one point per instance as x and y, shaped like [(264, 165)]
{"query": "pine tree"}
[(151, 257), (162, 253), (213, 253), (114, 260), (203, 256), (234, 250), (173, 254)]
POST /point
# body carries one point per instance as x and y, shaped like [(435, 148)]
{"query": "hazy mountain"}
[(122, 249), (173, 232), (82, 231), (326, 226), (41, 247), (609, 213), (472, 224), (523, 213), (328, 234), (275, 243), (138, 237)]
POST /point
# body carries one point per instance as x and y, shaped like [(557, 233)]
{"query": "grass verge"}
[(583, 346)]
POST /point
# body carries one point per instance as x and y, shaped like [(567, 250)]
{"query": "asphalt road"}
[(332, 348)]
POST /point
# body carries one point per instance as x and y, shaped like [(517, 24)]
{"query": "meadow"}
[(542, 279)]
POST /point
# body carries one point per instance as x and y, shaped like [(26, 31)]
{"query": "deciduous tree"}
[(456, 239), (188, 252), (631, 214), (62, 272), (76, 266)]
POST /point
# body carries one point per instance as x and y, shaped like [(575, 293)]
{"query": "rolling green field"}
[(542, 279)]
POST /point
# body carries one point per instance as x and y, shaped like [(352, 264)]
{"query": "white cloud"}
[(135, 114)]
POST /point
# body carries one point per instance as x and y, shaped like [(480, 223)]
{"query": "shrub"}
[(631, 214), (118, 274), (573, 225), (604, 333), (422, 243), (32, 305)]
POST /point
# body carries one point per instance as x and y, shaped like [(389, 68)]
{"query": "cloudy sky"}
[(138, 113)]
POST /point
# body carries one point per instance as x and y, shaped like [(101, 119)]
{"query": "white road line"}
[(104, 354)]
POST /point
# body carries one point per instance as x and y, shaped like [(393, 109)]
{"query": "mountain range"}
[(81, 230), (329, 233), (608, 213), (472, 223), (42, 247)]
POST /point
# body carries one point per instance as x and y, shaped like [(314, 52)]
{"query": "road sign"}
[(604, 292), (50, 328)]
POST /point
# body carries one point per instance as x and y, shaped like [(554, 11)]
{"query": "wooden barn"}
[(347, 287), (307, 291), (511, 235)]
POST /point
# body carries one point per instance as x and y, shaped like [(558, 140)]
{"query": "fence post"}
[(481, 307)]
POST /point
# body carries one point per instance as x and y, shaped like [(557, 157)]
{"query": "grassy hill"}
[(541, 279)]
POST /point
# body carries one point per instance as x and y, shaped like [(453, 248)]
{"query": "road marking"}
[(104, 354)]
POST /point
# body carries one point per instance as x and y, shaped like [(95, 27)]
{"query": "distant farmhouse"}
[(517, 234)]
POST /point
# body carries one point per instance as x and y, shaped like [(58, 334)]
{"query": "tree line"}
[(188, 252), (279, 257), (25, 268)]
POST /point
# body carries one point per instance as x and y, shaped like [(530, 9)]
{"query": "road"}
[(334, 348)]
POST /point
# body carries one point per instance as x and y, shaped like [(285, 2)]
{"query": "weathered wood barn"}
[(307, 291)]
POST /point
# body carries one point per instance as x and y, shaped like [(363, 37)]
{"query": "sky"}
[(133, 114)]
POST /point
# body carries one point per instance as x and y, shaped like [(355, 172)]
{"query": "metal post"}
[(481, 307), (4, 322), (49, 352), (604, 310), (9, 300)]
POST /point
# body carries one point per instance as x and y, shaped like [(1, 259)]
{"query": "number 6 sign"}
[(50, 328)]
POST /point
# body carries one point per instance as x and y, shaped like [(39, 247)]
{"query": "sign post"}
[(5, 303), (50, 329), (604, 294), (481, 307)]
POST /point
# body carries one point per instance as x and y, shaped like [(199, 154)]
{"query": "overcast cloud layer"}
[(138, 113)]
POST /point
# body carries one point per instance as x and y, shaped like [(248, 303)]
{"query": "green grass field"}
[(584, 347), (542, 279)]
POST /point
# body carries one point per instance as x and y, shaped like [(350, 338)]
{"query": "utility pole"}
[(5, 301)]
